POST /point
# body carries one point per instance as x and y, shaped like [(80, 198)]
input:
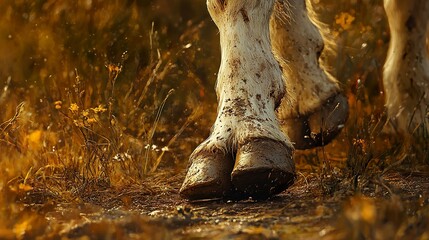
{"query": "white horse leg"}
[(406, 70), (246, 152), (315, 111)]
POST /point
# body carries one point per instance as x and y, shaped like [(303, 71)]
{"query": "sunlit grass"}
[(88, 102)]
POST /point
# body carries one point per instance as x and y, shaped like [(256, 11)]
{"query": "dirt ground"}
[(393, 207)]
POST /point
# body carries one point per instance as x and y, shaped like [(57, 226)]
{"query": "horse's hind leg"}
[(406, 70), (315, 110)]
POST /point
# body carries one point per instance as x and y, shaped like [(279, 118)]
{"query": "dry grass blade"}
[(152, 132), (5, 125)]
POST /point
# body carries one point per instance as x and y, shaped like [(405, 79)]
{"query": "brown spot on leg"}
[(235, 64), (222, 4), (262, 67), (244, 14), (410, 23)]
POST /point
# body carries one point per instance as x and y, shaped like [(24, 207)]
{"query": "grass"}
[(88, 103), (97, 97)]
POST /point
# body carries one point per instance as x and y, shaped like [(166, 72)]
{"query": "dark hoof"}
[(263, 167), (208, 176), (320, 127)]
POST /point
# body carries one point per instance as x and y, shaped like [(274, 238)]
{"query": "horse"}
[(274, 95)]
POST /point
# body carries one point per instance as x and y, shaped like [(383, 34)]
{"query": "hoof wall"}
[(208, 176), (263, 168), (320, 127)]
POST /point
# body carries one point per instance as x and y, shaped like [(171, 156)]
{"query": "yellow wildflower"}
[(345, 20), (74, 107), (58, 104), (114, 68), (91, 120), (99, 109), (85, 113)]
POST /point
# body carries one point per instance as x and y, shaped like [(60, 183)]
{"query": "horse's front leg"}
[(246, 153)]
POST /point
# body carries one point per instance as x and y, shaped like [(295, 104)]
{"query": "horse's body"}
[(274, 96)]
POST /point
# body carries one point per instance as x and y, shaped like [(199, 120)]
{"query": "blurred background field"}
[(98, 95)]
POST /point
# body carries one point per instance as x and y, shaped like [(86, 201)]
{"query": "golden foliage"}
[(344, 20)]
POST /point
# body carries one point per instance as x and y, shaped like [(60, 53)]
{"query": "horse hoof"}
[(208, 176), (263, 167), (320, 127)]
